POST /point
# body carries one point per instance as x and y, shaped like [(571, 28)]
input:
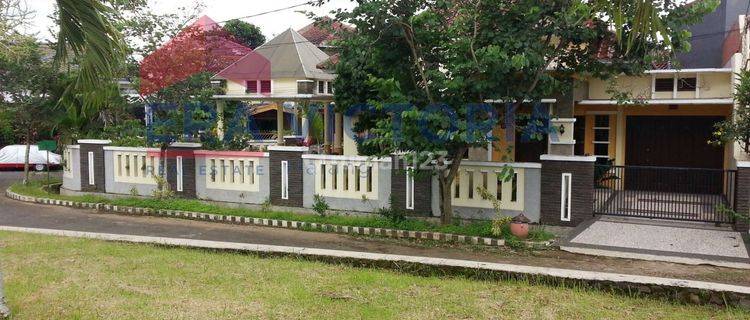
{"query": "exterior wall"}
[(350, 146), (255, 192), (121, 180), (284, 86), (472, 206), (581, 170), (235, 88), (96, 147), (72, 170), (743, 195), (344, 194), (715, 85), (638, 86), (711, 85)]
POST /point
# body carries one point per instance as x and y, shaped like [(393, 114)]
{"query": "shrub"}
[(266, 205), (320, 206), (393, 214), (162, 190)]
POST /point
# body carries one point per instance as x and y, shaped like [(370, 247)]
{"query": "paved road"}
[(21, 214)]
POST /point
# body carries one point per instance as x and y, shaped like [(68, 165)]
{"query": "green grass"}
[(66, 278), (482, 229)]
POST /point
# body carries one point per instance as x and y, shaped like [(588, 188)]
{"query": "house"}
[(653, 153), (283, 73)]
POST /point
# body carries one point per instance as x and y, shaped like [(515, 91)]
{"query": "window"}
[(251, 86), (686, 84), (601, 135), (330, 87), (565, 196), (265, 86), (664, 84), (321, 87)]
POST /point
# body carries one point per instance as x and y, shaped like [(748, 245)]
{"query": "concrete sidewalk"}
[(666, 287), (678, 242)]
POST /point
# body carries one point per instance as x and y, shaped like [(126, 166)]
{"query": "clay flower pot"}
[(519, 226)]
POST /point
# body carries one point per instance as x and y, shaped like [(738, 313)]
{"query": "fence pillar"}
[(743, 195), (181, 173), (417, 188), (286, 180), (567, 195), (92, 165)]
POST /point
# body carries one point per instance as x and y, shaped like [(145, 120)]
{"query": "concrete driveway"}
[(682, 242)]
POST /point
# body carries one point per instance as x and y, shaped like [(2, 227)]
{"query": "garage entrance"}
[(671, 172)]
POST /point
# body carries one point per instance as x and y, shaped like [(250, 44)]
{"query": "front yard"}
[(53, 277)]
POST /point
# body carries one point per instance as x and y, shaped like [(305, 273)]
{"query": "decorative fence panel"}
[(348, 181), (232, 176), (514, 185)]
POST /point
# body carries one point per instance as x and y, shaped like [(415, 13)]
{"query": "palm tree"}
[(87, 35)]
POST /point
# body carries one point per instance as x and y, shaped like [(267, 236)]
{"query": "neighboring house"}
[(673, 109), (283, 71)]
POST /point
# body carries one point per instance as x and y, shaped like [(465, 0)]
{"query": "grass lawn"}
[(54, 277), (483, 229)]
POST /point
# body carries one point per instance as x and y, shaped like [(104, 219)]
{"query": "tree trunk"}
[(445, 182), (4, 311), (26, 158)]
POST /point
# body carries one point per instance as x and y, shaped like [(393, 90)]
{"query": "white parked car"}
[(13, 157)]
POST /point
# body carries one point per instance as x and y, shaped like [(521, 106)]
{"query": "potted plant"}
[(519, 226)]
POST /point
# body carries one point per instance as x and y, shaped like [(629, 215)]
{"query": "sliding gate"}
[(689, 194)]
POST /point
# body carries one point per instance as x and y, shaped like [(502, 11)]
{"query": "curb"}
[(287, 224), (688, 291)]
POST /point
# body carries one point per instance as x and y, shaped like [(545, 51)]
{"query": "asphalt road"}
[(21, 214)]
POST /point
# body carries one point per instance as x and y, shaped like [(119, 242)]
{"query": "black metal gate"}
[(689, 194)]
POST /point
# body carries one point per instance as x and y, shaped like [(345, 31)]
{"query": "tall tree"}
[(87, 37), (27, 83), (442, 56), (245, 33)]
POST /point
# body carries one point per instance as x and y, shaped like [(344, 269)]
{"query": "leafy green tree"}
[(453, 53), (27, 83), (245, 33), (737, 129)]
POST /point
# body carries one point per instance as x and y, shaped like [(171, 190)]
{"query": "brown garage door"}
[(675, 142)]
